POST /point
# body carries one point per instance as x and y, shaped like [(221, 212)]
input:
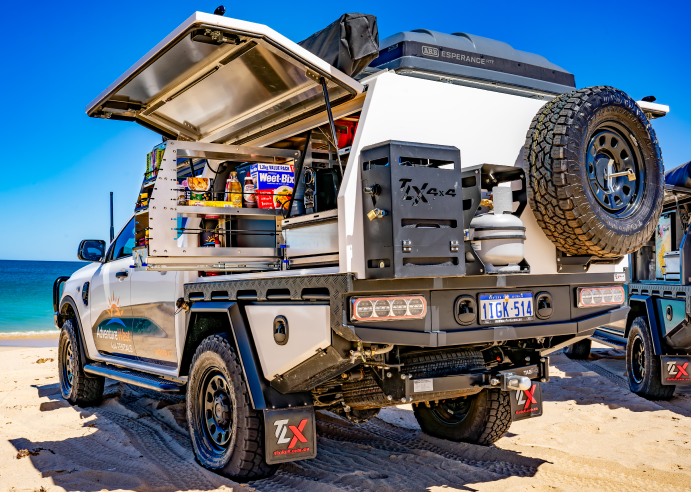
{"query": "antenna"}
[(112, 231)]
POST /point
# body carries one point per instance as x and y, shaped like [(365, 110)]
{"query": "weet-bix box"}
[(273, 184)]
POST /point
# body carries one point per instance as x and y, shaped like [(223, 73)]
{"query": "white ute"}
[(457, 211)]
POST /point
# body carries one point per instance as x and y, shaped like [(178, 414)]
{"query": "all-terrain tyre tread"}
[(86, 391), (489, 420), (442, 362), (499, 419), (651, 387), (554, 191), (248, 461)]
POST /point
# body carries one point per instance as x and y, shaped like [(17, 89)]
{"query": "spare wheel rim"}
[(612, 149)]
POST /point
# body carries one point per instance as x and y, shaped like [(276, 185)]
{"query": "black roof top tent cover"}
[(679, 176), (350, 43), (468, 56)]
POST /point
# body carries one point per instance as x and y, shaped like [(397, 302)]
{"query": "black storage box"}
[(413, 210)]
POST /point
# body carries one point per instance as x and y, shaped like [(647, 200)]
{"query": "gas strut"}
[(331, 123)]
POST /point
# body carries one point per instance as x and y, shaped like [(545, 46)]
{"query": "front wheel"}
[(227, 434), (644, 369), (75, 386), (483, 418)]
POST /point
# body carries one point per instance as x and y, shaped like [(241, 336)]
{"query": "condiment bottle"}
[(249, 198), (234, 191)]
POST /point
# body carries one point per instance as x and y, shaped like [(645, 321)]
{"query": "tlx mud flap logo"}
[(421, 193), (678, 371), (282, 427), (526, 403), (290, 434)]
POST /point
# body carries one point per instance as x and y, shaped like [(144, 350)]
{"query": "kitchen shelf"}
[(193, 210)]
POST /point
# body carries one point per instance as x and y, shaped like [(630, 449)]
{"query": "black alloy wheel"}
[(638, 359), (217, 411), (643, 367), (66, 369), (76, 387), (452, 411), (611, 151)]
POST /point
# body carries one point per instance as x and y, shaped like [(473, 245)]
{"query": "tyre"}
[(643, 368), (75, 386), (574, 143), (579, 350), (479, 419), (227, 434)]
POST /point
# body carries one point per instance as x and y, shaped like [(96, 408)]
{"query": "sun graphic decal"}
[(114, 307)]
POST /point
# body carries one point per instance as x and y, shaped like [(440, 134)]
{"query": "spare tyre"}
[(595, 175)]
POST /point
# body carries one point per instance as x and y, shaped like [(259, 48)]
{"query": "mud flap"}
[(290, 434), (676, 370), (526, 404)]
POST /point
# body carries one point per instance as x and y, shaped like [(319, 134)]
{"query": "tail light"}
[(387, 308), (600, 296)]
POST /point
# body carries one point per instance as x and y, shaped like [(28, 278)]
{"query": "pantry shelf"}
[(193, 211)]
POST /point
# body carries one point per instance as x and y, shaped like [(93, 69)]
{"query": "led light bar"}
[(387, 308), (599, 296)]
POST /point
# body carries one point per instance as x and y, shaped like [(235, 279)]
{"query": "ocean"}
[(26, 295)]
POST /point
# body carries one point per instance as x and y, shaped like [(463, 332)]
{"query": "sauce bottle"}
[(249, 198)]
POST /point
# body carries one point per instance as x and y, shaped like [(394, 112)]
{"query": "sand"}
[(594, 435)]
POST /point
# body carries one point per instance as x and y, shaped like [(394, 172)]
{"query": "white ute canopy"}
[(221, 80)]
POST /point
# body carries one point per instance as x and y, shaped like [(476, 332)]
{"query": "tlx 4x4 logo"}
[(677, 371), (282, 429), (420, 194)]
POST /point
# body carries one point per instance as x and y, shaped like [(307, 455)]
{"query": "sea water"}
[(26, 295)]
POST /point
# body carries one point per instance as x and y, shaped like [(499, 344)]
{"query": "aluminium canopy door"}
[(221, 80)]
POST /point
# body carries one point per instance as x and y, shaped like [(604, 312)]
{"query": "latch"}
[(407, 246), (373, 190), (454, 246)]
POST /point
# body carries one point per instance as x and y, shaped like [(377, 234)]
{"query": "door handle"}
[(121, 275)]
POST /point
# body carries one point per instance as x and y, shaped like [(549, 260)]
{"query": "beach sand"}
[(594, 435)]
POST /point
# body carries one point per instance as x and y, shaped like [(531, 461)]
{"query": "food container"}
[(273, 183), (199, 188)]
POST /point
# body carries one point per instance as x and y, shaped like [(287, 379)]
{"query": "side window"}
[(124, 242)]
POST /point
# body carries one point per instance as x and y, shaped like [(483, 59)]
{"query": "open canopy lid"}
[(221, 80)]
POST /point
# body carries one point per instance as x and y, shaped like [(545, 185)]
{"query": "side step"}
[(609, 339), (136, 378)]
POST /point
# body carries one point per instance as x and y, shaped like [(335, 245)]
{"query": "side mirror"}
[(92, 250)]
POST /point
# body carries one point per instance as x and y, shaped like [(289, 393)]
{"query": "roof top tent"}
[(462, 57), (221, 80)]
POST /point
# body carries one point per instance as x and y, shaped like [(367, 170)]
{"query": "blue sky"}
[(58, 56)]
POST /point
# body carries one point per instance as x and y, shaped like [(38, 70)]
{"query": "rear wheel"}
[(75, 386), (479, 419), (579, 350), (227, 434), (644, 369)]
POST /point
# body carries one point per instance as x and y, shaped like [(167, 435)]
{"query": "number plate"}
[(506, 308)]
